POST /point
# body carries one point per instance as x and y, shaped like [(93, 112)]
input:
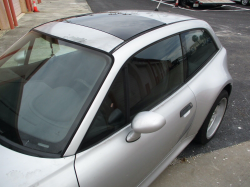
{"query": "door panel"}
[(115, 162)]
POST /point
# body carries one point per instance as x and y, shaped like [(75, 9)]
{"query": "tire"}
[(213, 119), (244, 2)]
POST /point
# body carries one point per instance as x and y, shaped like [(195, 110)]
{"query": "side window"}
[(154, 73), (198, 47), (110, 116)]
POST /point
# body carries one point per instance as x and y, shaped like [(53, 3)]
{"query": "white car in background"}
[(243, 2)]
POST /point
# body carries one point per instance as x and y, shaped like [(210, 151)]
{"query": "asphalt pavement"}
[(228, 167)]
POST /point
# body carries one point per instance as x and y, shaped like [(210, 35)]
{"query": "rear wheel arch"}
[(228, 88), (201, 136)]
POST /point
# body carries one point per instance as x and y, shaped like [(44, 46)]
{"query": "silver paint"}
[(80, 34), (137, 159), (207, 90), (145, 122), (178, 148), (22, 170), (115, 149)]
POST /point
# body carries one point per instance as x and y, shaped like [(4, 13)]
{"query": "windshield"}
[(46, 86)]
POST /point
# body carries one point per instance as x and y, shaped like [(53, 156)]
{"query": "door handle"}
[(186, 110)]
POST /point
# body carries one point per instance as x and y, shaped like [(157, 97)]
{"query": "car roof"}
[(106, 31), (121, 25)]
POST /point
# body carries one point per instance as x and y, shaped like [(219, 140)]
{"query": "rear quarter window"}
[(198, 48)]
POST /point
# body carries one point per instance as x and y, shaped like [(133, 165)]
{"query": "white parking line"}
[(164, 3), (240, 9)]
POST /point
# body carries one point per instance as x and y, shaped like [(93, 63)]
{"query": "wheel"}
[(213, 119), (244, 2)]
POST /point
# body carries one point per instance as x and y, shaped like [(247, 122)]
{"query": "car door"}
[(151, 80)]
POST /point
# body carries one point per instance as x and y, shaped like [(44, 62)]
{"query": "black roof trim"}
[(121, 25), (130, 39), (135, 36)]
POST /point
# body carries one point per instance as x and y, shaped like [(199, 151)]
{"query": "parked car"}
[(203, 3), (108, 99), (243, 2)]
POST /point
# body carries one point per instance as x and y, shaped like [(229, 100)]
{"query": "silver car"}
[(108, 99)]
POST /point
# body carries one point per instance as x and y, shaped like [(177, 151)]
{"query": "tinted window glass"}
[(154, 73), (110, 116), (198, 47), (46, 85)]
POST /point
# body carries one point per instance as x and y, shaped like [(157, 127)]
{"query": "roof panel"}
[(81, 34), (121, 25), (164, 17)]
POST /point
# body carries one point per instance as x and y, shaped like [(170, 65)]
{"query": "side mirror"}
[(145, 122)]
